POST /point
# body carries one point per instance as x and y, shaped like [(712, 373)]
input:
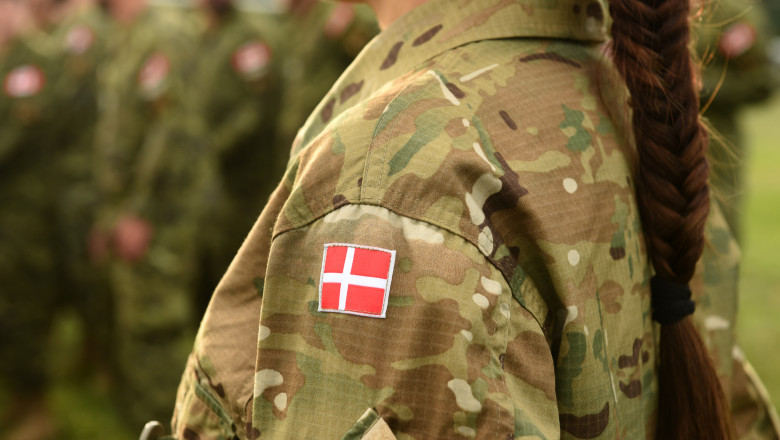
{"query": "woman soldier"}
[(456, 251)]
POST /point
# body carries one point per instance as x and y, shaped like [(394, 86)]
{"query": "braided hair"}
[(650, 49)]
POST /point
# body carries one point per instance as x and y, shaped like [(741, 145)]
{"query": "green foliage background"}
[(759, 316)]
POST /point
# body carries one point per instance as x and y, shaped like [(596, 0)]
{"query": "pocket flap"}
[(369, 427)]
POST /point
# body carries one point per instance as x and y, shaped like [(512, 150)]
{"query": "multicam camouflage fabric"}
[(485, 142)]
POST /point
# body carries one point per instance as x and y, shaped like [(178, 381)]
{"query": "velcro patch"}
[(24, 81), (355, 279), (251, 59), (79, 40), (152, 76)]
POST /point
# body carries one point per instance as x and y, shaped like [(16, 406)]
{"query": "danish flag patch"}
[(355, 279)]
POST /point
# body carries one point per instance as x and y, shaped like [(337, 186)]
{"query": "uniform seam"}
[(325, 206), (443, 58), (211, 402), (423, 218)]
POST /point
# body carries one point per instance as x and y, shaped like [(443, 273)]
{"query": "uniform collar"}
[(440, 25)]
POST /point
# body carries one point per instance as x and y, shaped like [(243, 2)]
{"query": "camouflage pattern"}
[(27, 178), (736, 80), (79, 40), (326, 40), (485, 141), (150, 164), (237, 95)]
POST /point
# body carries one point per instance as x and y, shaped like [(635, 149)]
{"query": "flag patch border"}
[(387, 286)]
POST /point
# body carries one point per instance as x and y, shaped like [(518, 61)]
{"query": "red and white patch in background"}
[(356, 279), (24, 81), (153, 74), (79, 40), (339, 21), (251, 58), (737, 40)]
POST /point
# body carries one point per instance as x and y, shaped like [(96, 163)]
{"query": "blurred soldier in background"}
[(27, 179), (149, 165), (236, 90), (253, 88), (114, 128), (737, 72), (80, 39)]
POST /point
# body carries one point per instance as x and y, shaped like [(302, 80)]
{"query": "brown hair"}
[(650, 48)]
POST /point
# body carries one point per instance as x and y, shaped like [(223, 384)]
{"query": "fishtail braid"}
[(650, 49)]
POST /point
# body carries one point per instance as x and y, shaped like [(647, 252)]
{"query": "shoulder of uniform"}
[(389, 148), (431, 140)]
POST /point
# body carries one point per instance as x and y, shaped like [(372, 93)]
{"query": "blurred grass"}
[(759, 317)]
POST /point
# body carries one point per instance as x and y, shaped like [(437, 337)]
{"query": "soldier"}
[(79, 39), (27, 179), (737, 73), (237, 98), (460, 248), (149, 167)]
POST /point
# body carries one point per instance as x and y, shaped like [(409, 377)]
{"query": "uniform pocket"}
[(369, 427)]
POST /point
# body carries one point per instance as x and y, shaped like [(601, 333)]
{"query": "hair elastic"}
[(671, 301)]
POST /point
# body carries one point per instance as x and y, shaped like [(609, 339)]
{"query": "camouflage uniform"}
[(150, 164), (27, 177), (80, 39), (737, 80), (237, 96), (484, 143)]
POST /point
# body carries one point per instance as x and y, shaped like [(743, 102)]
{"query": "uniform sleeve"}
[(171, 164), (454, 356), (215, 392), (367, 310), (715, 287)]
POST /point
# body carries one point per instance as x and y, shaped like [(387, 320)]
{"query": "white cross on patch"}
[(355, 279)]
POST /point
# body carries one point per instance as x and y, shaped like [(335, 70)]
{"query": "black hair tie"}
[(671, 301)]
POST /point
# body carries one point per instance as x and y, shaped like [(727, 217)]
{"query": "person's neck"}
[(387, 11)]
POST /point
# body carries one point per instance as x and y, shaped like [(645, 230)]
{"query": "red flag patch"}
[(356, 279), (153, 74), (24, 81), (251, 59)]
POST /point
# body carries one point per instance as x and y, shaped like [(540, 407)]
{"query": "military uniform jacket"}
[(237, 61), (455, 250), (144, 151)]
